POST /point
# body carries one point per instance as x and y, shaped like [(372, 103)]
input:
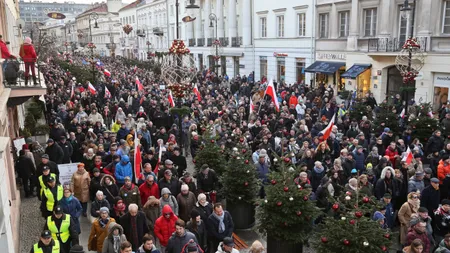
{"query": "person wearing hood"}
[(180, 238), (168, 199), (148, 245), (317, 174), (151, 209), (129, 192), (134, 225), (227, 246), (165, 226), (29, 57), (444, 245), (115, 238), (54, 152), (119, 209), (72, 206), (186, 202), (443, 168), (109, 188), (373, 157), (198, 227), (99, 230), (141, 114), (149, 188), (98, 203), (123, 170), (79, 184), (120, 115), (203, 207)]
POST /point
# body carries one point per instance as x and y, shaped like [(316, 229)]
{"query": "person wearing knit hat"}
[(197, 226), (192, 247), (203, 207), (99, 230)]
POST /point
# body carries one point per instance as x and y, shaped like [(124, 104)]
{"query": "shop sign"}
[(331, 56), (56, 15), (442, 80), (275, 54)]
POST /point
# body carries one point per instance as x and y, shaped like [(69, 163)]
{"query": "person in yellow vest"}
[(43, 180), (50, 197), (62, 228), (46, 244)]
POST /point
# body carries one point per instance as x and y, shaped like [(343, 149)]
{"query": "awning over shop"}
[(325, 67), (356, 70)]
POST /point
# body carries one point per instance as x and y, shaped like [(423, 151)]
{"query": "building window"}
[(263, 22), (446, 18), (281, 68), (263, 67), (343, 23), (323, 25), (403, 28), (370, 22), (301, 17), (300, 69), (280, 26)]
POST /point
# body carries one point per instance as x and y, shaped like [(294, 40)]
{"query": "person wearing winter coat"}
[(444, 245), (95, 116), (317, 174), (443, 168), (119, 209), (149, 188), (387, 183), (170, 182), (109, 188), (168, 199), (96, 180), (99, 230), (405, 214), (89, 160), (360, 158), (54, 152), (186, 202), (29, 57), (123, 169), (98, 203), (392, 153), (226, 246), (67, 149), (27, 172), (198, 227), (430, 197), (203, 207), (180, 238), (416, 183), (442, 220), (129, 192), (435, 143), (151, 210), (79, 185), (72, 206), (220, 225), (418, 230), (134, 225), (148, 245), (115, 238), (165, 226)]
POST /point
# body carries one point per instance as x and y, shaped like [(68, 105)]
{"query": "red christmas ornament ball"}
[(212, 141), (273, 182), (193, 161), (246, 161), (383, 248), (244, 151), (305, 198), (299, 213), (352, 222), (335, 206), (285, 189), (358, 214), (241, 139), (246, 184), (324, 239), (387, 235), (348, 193), (366, 200), (279, 203), (287, 159), (346, 242)]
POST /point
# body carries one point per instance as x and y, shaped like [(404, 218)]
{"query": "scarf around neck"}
[(221, 223)]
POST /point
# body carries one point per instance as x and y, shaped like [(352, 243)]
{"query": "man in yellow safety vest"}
[(46, 244), (62, 229), (43, 180), (50, 197)]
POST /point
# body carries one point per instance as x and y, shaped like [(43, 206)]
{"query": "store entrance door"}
[(394, 84)]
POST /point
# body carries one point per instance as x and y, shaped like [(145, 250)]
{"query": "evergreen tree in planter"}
[(240, 187), (359, 109), (423, 123), (286, 215), (210, 153), (351, 228), (386, 117)]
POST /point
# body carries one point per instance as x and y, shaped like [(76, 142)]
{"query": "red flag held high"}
[(327, 131), (92, 89), (137, 158), (408, 156), (270, 90), (156, 170), (171, 100), (139, 84), (197, 93), (107, 93), (106, 73)]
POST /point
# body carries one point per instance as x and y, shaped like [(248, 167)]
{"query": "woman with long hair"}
[(415, 247)]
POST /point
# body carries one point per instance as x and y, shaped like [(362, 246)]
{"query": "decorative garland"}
[(184, 110), (409, 76), (411, 43), (179, 90), (178, 47), (91, 45), (127, 28), (408, 89)]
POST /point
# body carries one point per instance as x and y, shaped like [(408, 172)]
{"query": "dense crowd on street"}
[(169, 210)]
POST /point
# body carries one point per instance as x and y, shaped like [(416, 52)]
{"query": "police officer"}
[(50, 197), (62, 228), (43, 180), (46, 244)]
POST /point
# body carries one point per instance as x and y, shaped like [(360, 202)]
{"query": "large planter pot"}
[(276, 246), (243, 214)]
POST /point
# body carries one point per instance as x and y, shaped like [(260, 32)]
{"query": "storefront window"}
[(364, 83), (200, 60), (340, 81), (263, 67), (281, 69), (300, 69)]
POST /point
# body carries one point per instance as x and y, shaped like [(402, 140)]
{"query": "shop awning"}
[(325, 67), (356, 70)]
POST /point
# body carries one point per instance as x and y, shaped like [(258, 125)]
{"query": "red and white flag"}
[(430, 114), (197, 92), (106, 73), (137, 158), (139, 84), (72, 93), (156, 170), (327, 131), (135, 68), (171, 101), (107, 93), (92, 89), (402, 113), (408, 156), (270, 90), (252, 106)]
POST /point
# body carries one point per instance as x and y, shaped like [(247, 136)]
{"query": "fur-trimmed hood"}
[(383, 172), (102, 181)]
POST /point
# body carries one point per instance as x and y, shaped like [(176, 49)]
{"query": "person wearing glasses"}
[(405, 213)]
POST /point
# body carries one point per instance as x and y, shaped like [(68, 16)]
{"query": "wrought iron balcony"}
[(22, 87), (209, 42), (191, 42), (236, 41), (393, 44), (200, 42)]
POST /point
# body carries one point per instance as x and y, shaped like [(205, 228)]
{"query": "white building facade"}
[(129, 42), (283, 34), (107, 37)]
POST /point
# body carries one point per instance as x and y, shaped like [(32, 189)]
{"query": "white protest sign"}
[(66, 171)]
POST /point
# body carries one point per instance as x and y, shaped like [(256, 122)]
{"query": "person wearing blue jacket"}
[(123, 169), (360, 158), (72, 206)]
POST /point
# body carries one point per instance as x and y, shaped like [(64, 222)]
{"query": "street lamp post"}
[(213, 17), (92, 16)]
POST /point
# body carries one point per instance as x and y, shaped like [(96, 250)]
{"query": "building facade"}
[(361, 40), (129, 42), (283, 40)]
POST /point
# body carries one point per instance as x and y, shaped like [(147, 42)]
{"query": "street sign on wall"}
[(56, 15)]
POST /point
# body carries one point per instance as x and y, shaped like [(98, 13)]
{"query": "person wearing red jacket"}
[(392, 153), (165, 226), (4, 49), (443, 168), (149, 188), (29, 57)]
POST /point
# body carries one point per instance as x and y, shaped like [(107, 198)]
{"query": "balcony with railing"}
[(236, 41), (21, 86), (383, 45)]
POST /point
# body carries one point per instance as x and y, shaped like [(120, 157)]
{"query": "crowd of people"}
[(170, 210)]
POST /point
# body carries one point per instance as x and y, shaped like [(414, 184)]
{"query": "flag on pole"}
[(402, 114), (107, 93), (197, 92), (327, 131), (135, 68), (92, 89), (106, 73), (137, 157), (139, 84), (252, 106), (156, 170), (408, 156), (270, 90), (171, 101), (72, 93)]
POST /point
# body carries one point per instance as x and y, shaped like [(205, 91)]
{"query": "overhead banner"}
[(66, 171)]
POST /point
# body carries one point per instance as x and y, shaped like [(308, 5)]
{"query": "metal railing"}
[(191, 42), (393, 44), (14, 74)]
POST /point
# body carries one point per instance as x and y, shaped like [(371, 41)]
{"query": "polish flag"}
[(106, 73), (270, 90), (171, 101), (252, 106), (408, 156), (139, 84), (197, 92), (135, 68), (402, 113), (72, 93), (327, 131), (156, 170), (92, 89), (137, 158), (107, 93)]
